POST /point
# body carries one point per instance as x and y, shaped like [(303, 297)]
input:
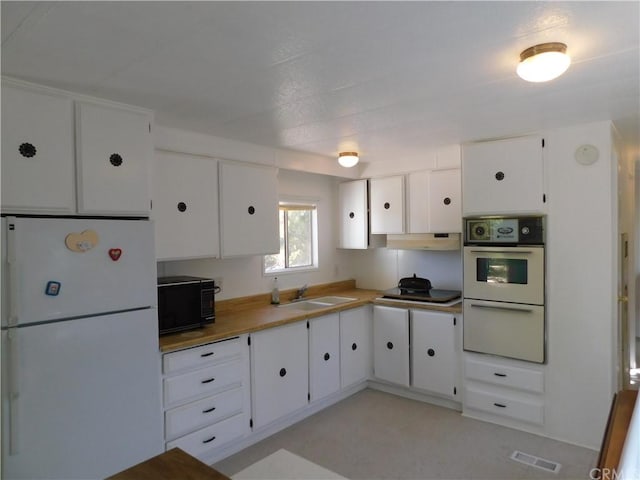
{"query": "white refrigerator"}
[(81, 385)]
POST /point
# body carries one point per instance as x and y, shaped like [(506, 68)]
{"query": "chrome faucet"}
[(301, 291)]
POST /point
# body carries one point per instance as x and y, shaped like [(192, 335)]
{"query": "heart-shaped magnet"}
[(81, 242), (115, 253)]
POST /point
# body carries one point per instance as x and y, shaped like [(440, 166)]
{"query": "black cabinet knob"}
[(27, 150), (431, 352), (354, 346), (447, 201), (182, 206), (251, 210), (390, 345), (499, 176), (351, 214), (327, 357), (115, 159), (387, 205), (283, 372)]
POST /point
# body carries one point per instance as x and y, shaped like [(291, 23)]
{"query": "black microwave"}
[(185, 303)]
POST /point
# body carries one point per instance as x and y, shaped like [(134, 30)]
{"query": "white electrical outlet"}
[(218, 282)]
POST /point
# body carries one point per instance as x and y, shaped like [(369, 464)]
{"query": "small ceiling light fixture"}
[(543, 62), (348, 159)]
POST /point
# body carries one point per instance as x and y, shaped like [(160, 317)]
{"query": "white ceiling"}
[(389, 79)]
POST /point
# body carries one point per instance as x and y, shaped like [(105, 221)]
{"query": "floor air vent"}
[(541, 463)]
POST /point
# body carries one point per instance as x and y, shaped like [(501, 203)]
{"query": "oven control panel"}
[(504, 230)]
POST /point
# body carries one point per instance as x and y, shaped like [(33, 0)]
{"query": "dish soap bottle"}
[(275, 293)]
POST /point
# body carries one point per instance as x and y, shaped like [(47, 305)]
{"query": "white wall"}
[(581, 285), (243, 276)]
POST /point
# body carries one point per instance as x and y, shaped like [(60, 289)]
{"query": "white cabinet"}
[(434, 202), (37, 151), (391, 344), (433, 352), (114, 148), (280, 372), (185, 206), (106, 174), (353, 220), (387, 199), (504, 176), (248, 209), (324, 356), (206, 396), (356, 360)]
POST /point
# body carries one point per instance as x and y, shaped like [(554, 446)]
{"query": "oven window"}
[(501, 270)]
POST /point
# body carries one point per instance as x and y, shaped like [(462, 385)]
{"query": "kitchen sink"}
[(317, 303)]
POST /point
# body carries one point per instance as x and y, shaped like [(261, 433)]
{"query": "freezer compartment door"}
[(61, 268), (86, 397), (506, 329)]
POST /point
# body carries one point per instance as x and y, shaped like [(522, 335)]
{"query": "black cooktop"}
[(433, 295)]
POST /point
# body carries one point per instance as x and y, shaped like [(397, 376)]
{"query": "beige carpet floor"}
[(374, 435)]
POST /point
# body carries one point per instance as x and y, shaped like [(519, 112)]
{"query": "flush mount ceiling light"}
[(543, 62), (348, 159)]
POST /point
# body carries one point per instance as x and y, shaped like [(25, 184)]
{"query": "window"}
[(298, 239)]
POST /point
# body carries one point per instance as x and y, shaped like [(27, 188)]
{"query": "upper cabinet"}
[(114, 149), (387, 204), (185, 206), (248, 209), (434, 202), (37, 152), (107, 175), (504, 176), (353, 222)]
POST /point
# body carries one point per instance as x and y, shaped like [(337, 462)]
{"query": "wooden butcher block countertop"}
[(251, 314)]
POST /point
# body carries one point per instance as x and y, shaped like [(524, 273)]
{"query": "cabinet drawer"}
[(185, 419), (506, 376), (201, 442), (202, 382), (201, 356), (519, 409)]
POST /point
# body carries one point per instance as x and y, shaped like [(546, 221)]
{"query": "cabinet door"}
[(248, 209), (433, 355), (445, 201), (353, 223), (185, 206), (387, 205), (391, 344), (114, 149), (504, 176), (324, 356), (280, 372), (355, 345), (418, 199), (37, 152)]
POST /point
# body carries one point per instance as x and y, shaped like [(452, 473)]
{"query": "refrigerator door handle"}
[(14, 388)]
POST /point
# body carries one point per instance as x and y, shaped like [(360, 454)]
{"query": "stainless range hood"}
[(424, 241)]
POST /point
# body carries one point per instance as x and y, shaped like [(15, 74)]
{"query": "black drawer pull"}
[(182, 207), (499, 176), (208, 354), (209, 410), (283, 372), (27, 150), (208, 380), (447, 201), (351, 214), (500, 374), (354, 346), (115, 159), (209, 440), (431, 352), (387, 205), (390, 345), (251, 210), (327, 357), (500, 405)]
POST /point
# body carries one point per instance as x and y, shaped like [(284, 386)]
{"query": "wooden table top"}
[(172, 465)]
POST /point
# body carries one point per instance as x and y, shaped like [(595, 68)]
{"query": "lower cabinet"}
[(355, 346), (206, 396), (391, 344), (324, 356), (280, 372)]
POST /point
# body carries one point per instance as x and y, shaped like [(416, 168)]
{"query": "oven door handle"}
[(499, 307), (508, 252)]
